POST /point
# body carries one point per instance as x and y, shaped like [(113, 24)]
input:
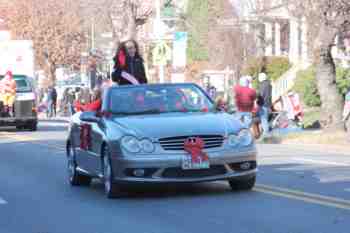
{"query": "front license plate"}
[(189, 164)]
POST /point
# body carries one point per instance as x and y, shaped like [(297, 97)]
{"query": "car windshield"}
[(159, 99), (22, 83)]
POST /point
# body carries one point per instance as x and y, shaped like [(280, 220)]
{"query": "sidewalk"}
[(42, 117), (331, 142)]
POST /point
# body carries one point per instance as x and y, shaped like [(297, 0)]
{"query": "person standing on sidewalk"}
[(129, 68), (346, 112), (265, 94), (50, 102), (245, 98), (54, 101)]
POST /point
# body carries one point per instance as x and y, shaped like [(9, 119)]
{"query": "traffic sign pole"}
[(158, 21)]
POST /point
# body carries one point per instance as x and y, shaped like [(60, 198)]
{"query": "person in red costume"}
[(8, 92), (94, 106)]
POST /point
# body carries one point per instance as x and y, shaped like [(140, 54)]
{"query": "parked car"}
[(25, 109), (165, 133)]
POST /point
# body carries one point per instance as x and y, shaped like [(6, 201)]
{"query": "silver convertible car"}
[(166, 133)]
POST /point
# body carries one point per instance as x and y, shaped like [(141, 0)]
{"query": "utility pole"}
[(93, 34), (159, 37), (92, 68)]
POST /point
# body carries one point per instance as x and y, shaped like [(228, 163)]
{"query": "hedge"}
[(306, 85), (274, 67)]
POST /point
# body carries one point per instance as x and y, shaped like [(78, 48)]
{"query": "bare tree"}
[(55, 28), (226, 43), (127, 15), (329, 18)]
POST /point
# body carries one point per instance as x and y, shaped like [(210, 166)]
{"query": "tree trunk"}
[(52, 73), (131, 26), (332, 101)]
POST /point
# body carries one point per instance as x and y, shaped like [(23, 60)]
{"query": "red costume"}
[(94, 106), (245, 98)]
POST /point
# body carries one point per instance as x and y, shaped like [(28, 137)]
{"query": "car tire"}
[(33, 126), (74, 177), (20, 127), (112, 190), (243, 184)]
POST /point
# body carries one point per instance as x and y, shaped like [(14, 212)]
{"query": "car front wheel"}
[(75, 178), (243, 184), (33, 126), (112, 190)]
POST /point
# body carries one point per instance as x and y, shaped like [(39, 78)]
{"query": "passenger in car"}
[(176, 101), (95, 104)]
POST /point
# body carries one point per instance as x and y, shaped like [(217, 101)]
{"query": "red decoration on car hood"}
[(195, 146)]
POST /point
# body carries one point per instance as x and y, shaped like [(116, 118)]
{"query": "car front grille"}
[(179, 173), (177, 143), (24, 108)]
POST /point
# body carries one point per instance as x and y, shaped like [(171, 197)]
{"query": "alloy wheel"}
[(107, 173)]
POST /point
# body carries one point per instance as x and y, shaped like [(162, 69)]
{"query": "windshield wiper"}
[(146, 112)]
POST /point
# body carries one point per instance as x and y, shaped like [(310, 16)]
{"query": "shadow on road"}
[(140, 192)]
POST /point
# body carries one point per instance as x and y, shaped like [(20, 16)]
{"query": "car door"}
[(90, 139), (94, 152), (82, 141)]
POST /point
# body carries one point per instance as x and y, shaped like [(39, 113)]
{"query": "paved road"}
[(300, 190)]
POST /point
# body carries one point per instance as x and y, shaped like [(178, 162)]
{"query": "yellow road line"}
[(32, 140), (303, 196)]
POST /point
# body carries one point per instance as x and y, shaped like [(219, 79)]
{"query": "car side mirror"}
[(89, 117)]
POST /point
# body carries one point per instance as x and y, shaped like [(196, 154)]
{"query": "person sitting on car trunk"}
[(129, 68), (8, 92)]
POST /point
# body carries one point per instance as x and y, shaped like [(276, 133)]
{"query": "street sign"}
[(180, 49), (161, 54)]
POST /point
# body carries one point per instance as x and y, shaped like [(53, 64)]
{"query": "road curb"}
[(55, 119), (320, 147)]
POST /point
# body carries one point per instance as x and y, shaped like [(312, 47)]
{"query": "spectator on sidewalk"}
[(54, 101), (265, 93), (129, 68), (51, 102), (245, 98), (346, 112)]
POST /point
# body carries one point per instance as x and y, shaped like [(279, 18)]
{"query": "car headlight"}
[(134, 145), (246, 119), (147, 145), (245, 137), (233, 140), (131, 144)]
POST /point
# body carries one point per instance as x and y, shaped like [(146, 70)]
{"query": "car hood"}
[(179, 124)]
